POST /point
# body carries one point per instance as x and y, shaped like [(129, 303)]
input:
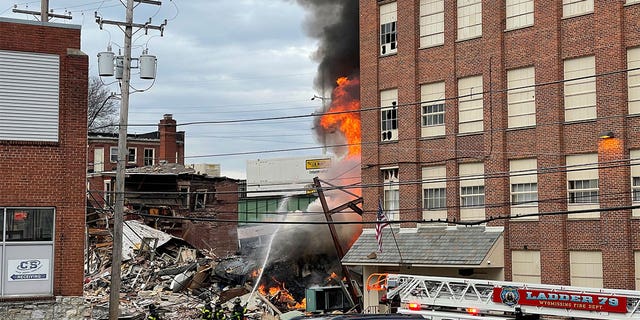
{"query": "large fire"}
[(343, 113), (281, 296)]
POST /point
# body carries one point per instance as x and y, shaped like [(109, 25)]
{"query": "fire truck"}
[(441, 298)]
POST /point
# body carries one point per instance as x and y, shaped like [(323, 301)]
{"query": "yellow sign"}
[(314, 164)]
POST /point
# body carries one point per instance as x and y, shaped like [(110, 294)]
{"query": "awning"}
[(427, 247)]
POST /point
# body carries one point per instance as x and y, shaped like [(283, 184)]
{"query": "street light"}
[(324, 110)]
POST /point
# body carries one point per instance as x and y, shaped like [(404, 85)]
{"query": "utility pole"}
[(44, 12), (118, 219)]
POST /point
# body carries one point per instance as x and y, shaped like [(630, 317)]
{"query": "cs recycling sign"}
[(28, 269)]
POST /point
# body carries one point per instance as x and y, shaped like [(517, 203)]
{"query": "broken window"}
[(201, 199)]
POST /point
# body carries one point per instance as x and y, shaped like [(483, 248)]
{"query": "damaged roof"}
[(457, 245), (134, 231), (162, 168)]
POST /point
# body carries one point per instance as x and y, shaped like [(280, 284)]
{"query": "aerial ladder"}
[(458, 298)]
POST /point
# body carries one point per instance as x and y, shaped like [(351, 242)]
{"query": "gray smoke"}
[(335, 23)]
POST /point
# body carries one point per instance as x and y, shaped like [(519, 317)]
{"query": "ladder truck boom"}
[(428, 295)]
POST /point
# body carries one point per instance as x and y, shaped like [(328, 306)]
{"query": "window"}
[(432, 96), (184, 197), (525, 266), (572, 8), (29, 96), (98, 160), (431, 23), (109, 197), (633, 80), (388, 28), (434, 192), (469, 19), (586, 268), (521, 97), (636, 255), (132, 155), (519, 13), (201, 199), (389, 115), (632, 2), (470, 112), (582, 184), (391, 193), (524, 187), (29, 225), (113, 154), (471, 191), (580, 94), (149, 156), (635, 181)]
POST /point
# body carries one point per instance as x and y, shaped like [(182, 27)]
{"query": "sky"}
[(217, 60)]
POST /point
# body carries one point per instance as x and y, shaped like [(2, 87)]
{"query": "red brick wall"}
[(53, 174), (606, 33)]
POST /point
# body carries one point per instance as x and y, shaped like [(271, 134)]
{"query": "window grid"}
[(472, 196), (524, 193), (149, 156), (469, 19), (576, 7), (391, 193), (519, 13), (521, 105), (388, 35), (113, 154), (131, 158), (431, 23), (633, 80), (635, 188), (583, 191), (580, 94), (470, 106), (433, 115), (435, 198)]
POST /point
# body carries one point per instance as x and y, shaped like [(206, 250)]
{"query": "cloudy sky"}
[(218, 60)]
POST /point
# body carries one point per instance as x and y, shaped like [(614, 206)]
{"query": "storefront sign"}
[(28, 269), (557, 299)]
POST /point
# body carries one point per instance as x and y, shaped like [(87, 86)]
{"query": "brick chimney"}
[(168, 145)]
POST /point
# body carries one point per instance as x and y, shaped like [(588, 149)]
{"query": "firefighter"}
[(153, 313), (220, 312), (238, 310), (207, 311)]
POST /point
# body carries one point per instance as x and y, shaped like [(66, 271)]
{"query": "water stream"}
[(282, 210)]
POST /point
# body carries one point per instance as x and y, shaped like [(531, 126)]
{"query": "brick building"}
[(475, 109), (43, 139)]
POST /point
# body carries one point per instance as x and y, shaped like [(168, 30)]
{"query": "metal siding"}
[(29, 96)]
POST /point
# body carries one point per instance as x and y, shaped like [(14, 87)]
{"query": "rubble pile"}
[(164, 271)]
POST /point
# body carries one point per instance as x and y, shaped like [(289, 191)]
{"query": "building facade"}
[(475, 110), (43, 139)]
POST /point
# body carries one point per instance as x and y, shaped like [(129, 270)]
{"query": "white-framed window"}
[(469, 19), (521, 97), (434, 192), (580, 94), (149, 156), (572, 8), (633, 80), (389, 115), (132, 155), (391, 201), (586, 268), (200, 199), (519, 14), (472, 191), (632, 2), (582, 184), (524, 187), (388, 28), (113, 154), (431, 23), (433, 109), (98, 160), (525, 266), (109, 197), (635, 180), (470, 104)]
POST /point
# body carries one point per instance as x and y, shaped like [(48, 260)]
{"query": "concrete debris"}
[(170, 274)]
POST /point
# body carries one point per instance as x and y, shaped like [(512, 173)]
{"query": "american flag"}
[(382, 222)]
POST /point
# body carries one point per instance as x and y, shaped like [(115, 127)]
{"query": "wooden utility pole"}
[(44, 13), (118, 219)]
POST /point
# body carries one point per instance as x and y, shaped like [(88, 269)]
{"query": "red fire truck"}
[(441, 298)]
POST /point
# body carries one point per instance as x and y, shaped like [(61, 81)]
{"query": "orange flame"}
[(282, 295), (343, 115)]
